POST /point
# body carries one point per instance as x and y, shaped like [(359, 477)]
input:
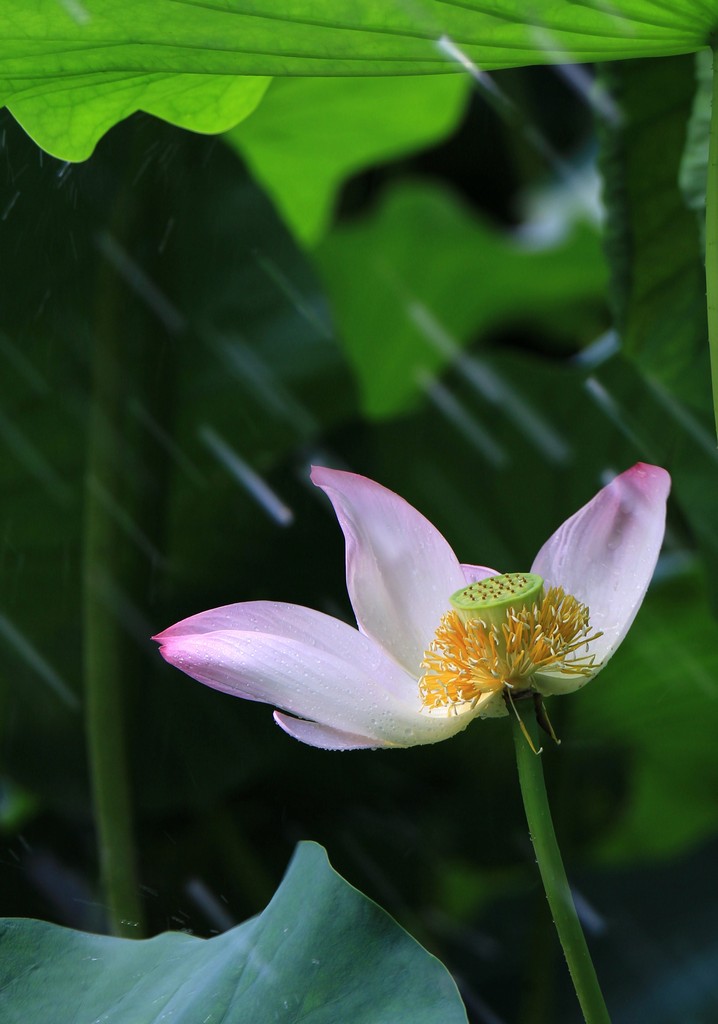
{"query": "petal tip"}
[(321, 476), (645, 473), (166, 650), (315, 472), (340, 479)]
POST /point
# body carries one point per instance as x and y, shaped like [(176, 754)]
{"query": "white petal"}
[(401, 572), (476, 573), (492, 705), (553, 684), (311, 665), (605, 555), (323, 735)]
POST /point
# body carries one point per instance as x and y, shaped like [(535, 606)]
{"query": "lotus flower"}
[(438, 643)]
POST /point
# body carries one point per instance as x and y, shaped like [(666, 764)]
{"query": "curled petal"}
[(310, 665), (605, 555), (323, 736), (400, 570)]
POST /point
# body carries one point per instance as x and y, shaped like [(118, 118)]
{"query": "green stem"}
[(553, 875), (105, 682), (712, 238)]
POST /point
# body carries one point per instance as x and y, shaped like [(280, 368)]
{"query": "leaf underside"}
[(71, 69)]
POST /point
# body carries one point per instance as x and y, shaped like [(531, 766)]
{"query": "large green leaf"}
[(320, 953), (69, 122), (309, 134), (438, 276), (62, 64), (653, 238)]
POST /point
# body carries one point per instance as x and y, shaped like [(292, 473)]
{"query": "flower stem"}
[(712, 237), (104, 690), (105, 665), (553, 875)]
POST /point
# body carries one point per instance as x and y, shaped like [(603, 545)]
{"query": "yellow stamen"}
[(468, 659)]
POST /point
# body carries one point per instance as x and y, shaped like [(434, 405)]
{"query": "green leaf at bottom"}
[(320, 953)]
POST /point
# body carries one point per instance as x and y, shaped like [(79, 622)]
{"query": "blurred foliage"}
[(652, 237), (310, 134), (409, 255), (694, 165), (142, 262), (658, 721), (431, 347)]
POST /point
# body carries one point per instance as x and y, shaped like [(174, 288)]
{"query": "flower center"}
[(491, 598), (502, 631)]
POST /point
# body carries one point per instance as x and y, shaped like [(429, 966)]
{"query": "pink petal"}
[(475, 573), (605, 554), (400, 570), (292, 621), (309, 664), (322, 735)]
